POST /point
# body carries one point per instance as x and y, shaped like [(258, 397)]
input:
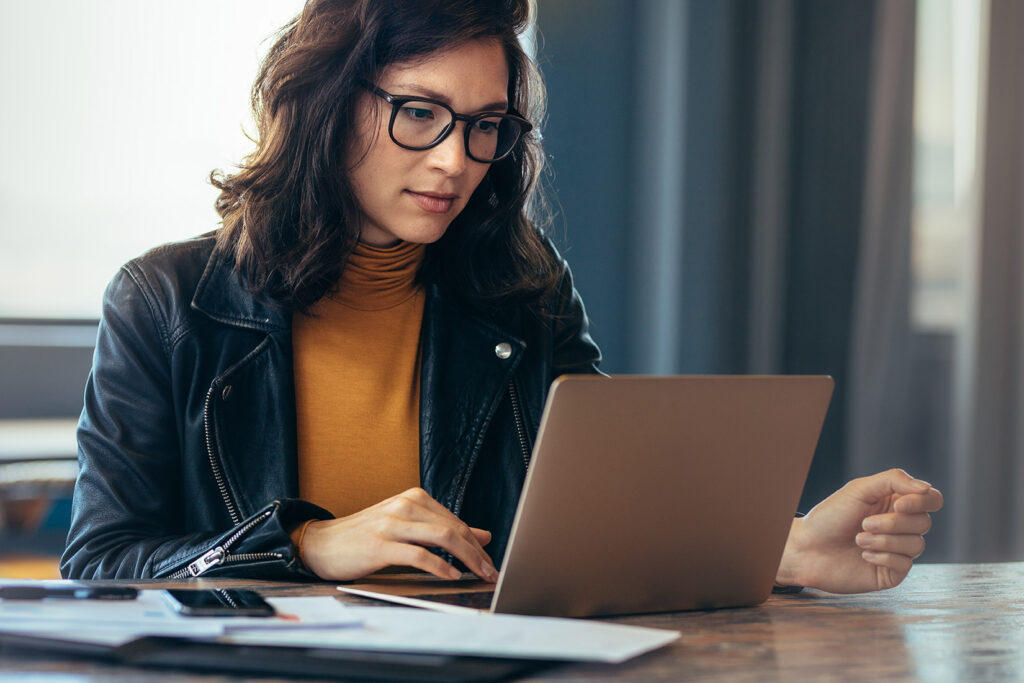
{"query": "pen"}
[(68, 592)]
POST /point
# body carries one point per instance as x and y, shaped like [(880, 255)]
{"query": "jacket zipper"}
[(520, 430), (221, 554), (214, 463)]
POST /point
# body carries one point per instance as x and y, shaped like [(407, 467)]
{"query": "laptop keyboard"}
[(474, 599)]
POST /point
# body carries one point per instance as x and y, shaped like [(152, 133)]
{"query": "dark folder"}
[(205, 655)]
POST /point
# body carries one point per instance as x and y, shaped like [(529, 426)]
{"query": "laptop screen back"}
[(651, 494)]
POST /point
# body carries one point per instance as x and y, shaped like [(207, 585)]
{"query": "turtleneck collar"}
[(377, 278)]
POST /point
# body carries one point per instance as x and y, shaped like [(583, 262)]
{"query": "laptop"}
[(650, 494)]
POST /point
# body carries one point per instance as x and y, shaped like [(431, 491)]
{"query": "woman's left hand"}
[(864, 537)]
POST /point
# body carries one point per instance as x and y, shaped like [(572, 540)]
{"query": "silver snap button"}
[(503, 350), (226, 392)]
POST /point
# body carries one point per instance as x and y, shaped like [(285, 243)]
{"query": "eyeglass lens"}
[(420, 124)]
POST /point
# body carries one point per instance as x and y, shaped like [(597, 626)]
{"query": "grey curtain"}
[(988, 431), (880, 386), (969, 434), (707, 158)]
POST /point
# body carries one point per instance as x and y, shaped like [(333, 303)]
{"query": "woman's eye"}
[(418, 113), (485, 126)]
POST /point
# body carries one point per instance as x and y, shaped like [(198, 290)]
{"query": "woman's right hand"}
[(396, 531)]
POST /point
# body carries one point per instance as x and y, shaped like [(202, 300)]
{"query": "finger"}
[(449, 539), (483, 537), (929, 501), (416, 505), (878, 486), (901, 544), (475, 539), (403, 554), (896, 523), (898, 563), (431, 510)]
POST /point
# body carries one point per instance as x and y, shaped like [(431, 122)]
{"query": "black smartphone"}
[(219, 602)]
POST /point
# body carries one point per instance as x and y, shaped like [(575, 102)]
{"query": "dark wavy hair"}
[(290, 217)]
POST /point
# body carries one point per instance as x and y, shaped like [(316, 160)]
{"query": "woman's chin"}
[(427, 234), (422, 235)]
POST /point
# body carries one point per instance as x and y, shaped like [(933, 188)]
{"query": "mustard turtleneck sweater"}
[(357, 382)]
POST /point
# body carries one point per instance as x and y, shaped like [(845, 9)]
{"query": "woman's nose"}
[(450, 156)]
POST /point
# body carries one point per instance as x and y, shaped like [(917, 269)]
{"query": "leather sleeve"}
[(574, 350), (126, 513)]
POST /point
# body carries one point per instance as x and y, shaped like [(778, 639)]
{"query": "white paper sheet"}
[(326, 622), (493, 635), (114, 622)]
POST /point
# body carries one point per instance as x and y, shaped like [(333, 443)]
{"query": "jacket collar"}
[(224, 297)]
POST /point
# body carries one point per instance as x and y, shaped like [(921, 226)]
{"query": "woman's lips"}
[(432, 202)]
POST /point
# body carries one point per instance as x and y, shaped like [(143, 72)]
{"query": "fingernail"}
[(865, 540), (454, 573), (489, 572), (871, 524)]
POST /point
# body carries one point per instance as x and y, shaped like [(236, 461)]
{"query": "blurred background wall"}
[(741, 186), (812, 186), (709, 161)]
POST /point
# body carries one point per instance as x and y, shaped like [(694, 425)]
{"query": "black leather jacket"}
[(186, 443)]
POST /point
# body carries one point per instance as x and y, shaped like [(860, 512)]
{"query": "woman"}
[(350, 371)]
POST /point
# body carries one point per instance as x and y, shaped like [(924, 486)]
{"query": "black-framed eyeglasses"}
[(419, 123)]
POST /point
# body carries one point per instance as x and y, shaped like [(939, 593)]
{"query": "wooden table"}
[(946, 622)]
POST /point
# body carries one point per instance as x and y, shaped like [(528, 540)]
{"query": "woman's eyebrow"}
[(497, 105)]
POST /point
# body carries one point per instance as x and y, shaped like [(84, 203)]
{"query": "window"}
[(949, 42), (115, 112)]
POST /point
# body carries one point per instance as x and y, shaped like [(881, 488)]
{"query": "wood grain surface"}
[(945, 623)]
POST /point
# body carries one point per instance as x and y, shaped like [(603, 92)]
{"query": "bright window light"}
[(950, 42), (114, 114)]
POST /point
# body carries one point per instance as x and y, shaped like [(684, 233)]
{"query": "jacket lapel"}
[(463, 380), (253, 404), (463, 375)]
